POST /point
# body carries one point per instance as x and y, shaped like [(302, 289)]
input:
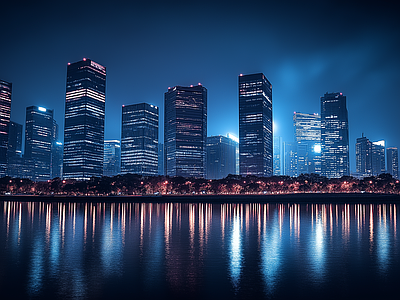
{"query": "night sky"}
[(304, 48)]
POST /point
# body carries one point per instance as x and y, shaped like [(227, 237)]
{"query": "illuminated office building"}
[(363, 157), (221, 156), (290, 159), (38, 142), (334, 136), (15, 140), (378, 158), (392, 156), (84, 120), (57, 159), (5, 111), (112, 158), (255, 125), (307, 132), (277, 156), (161, 159), (185, 131), (139, 139)]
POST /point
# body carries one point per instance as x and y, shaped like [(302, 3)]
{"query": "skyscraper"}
[(392, 156), (185, 131), (277, 156), (5, 111), (221, 156), (57, 159), (290, 159), (84, 120), (112, 158), (307, 132), (161, 168), (38, 141), (139, 139), (363, 157), (378, 158), (334, 136), (14, 153), (255, 125)]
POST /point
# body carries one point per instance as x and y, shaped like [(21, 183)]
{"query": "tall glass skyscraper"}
[(255, 125), (378, 158), (363, 157), (277, 156), (5, 111), (290, 159), (307, 133), (334, 136), (185, 131), (38, 142), (139, 139), (221, 156), (112, 158), (392, 156), (84, 120)]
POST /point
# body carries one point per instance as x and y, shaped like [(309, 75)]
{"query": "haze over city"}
[(304, 49)]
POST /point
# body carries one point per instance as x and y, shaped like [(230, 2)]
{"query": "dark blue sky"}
[(305, 48)]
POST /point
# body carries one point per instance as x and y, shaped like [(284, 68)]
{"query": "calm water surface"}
[(198, 251)]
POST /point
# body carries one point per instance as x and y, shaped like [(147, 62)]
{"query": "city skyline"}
[(303, 61)]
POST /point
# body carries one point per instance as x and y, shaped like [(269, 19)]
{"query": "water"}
[(198, 251)]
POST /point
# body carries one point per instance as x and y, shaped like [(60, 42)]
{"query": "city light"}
[(41, 109)]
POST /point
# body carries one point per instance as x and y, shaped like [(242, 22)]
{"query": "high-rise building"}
[(5, 111), (15, 140), (255, 125), (334, 136), (57, 159), (161, 168), (84, 120), (290, 159), (307, 132), (112, 158), (378, 158), (363, 157), (139, 139), (392, 156), (38, 141), (221, 156), (277, 156), (185, 131)]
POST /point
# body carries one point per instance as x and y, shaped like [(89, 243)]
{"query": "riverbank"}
[(250, 198)]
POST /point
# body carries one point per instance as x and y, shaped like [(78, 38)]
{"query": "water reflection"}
[(85, 249)]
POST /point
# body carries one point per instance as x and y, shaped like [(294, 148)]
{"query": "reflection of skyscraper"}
[(378, 158), (38, 141), (392, 156), (139, 139), (221, 156), (307, 130), (255, 125), (363, 157), (334, 136), (112, 158), (84, 120), (5, 110), (185, 131)]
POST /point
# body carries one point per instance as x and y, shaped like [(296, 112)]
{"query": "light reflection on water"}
[(95, 250)]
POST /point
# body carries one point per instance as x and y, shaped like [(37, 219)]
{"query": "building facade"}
[(378, 158), (221, 156), (255, 125), (307, 133), (392, 156), (290, 159), (277, 156), (139, 139), (334, 136), (38, 142), (185, 131), (57, 159), (161, 168), (112, 158), (5, 113), (363, 157), (84, 120)]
